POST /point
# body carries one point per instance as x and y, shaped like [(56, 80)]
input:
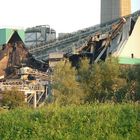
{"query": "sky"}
[(61, 15)]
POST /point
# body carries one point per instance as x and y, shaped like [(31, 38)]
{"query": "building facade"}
[(113, 9)]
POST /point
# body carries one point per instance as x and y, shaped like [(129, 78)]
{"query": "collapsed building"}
[(19, 69), (118, 37)]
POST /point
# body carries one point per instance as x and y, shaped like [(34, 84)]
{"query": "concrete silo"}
[(113, 9)]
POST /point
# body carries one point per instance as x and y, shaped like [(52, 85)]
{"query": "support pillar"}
[(34, 100), (92, 51), (25, 97)]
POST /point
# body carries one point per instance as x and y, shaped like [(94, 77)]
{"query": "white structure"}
[(130, 52)]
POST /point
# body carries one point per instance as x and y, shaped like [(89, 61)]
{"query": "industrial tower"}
[(113, 9)]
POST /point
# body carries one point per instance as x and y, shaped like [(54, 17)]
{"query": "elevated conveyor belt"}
[(78, 39)]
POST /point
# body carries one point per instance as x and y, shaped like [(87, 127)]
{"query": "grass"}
[(86, 122)]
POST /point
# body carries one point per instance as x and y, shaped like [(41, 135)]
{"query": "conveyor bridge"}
[(81, 38)]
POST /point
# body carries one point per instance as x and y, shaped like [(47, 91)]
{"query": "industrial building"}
[(24, 56), (113, 9), (39, 35), (19, 69)]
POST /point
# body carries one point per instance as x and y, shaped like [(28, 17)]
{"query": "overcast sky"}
[(62, 15)]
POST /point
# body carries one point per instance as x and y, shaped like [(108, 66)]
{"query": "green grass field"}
[(85, 122)]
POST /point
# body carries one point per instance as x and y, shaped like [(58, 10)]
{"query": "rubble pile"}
[(14, 56)]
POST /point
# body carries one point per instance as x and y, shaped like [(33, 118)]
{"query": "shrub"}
[(82, 122), (12, 98)]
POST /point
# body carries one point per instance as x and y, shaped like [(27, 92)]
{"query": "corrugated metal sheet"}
[(131, 61), (2, 36), (6, 34)]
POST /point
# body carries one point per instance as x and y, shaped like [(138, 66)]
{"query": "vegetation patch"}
[(106, 121)]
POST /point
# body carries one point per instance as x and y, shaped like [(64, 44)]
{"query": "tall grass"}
[(85, 122)]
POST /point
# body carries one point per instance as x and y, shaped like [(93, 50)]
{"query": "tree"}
[(137, 94), (66, 89), (101, 81), (131, 74)]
